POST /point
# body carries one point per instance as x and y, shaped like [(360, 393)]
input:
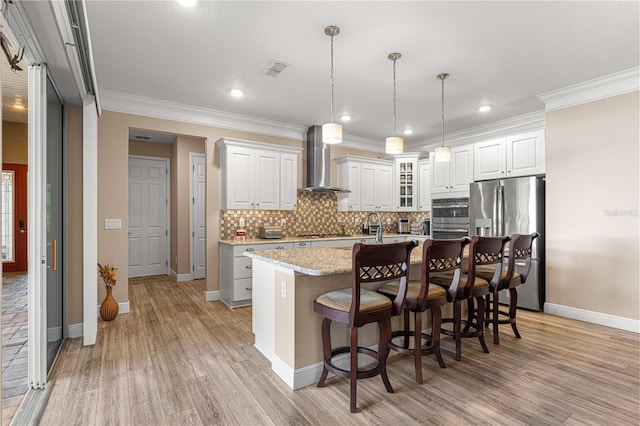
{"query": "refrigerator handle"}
[(499, 210)]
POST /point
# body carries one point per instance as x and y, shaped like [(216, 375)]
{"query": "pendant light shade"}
[(331, 132), (394, 144), (443, 153)]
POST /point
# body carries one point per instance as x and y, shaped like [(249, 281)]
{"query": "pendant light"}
[(332, 132), (443, 153), (394, 144)]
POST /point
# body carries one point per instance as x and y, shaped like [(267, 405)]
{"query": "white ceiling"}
[(498, 53), (14, 91)]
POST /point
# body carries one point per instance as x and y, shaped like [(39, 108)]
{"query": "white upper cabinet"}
[(453, 176), (511, 156), (424, 185), (525, 154), (258, 175), (406, 184), (350, 177), (370, 182)]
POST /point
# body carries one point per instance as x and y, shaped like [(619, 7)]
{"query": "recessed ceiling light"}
[(484, 108), (408, 131), (236, 93), (345, 117), (187, 3)]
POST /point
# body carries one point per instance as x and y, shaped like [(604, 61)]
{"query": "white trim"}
[(37, 236), (75, 330), (223, 143), (156, 108), (89, 219), (123, 308), (54, 333), (520, 124), (599, 88), (599, 318), (167, 164), (210, 296)]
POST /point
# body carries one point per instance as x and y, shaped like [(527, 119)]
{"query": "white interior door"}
[(198, 248), (148, 205)]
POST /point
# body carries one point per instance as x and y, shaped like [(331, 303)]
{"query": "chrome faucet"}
[(379, 231)]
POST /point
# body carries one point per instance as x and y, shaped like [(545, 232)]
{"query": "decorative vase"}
[(109, 307)]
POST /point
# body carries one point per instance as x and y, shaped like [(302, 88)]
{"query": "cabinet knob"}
[(248, 288), (250, 249), (279, 248), (249, 267)]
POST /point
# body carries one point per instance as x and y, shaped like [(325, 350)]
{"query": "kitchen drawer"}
[(333, 243), (242, 289), (237, 250), (242, 267)]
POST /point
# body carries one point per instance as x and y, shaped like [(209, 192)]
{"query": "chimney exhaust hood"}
[(318, 164)]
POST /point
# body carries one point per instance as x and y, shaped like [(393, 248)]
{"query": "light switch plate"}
[(241, 222), (113, 224)]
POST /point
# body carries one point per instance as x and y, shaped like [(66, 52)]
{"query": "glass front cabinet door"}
[(406, 184)]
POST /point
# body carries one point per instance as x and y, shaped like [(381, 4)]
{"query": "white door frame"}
[(168, 194), (192, 194)]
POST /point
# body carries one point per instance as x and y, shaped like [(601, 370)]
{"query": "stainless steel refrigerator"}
[(506, 207)]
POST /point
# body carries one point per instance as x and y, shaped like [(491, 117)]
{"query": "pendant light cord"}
[(443, 111), (395, 133), (331, 118)]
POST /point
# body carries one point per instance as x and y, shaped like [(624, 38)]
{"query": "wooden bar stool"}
[(482, 251), (520, 247), (357, 306), (437, 256)]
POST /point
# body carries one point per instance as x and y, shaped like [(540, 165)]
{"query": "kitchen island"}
[(286, 328)]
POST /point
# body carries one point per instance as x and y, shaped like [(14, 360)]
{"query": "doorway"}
[(14, 217)]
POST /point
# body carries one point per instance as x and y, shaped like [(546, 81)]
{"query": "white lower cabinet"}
[(236, 271)]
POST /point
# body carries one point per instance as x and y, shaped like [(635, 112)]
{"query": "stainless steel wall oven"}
[(449, 218)]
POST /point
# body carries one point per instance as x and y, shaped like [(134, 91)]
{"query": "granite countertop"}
[(235, 242), (317, 261)]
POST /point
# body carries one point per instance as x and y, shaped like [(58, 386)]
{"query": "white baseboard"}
[(310, 374), (54, 333), (123, 308), (76, 330), (180, 277), (599, 318), (212, 295)]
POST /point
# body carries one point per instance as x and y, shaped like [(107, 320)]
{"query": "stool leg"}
[(326, 349), (405, 343), (513, 305), (496, 319), (470, 314), (487, 304), (436, 321), (457, 325), (480, 319), (417, 345), (383, 351), (353, 371)]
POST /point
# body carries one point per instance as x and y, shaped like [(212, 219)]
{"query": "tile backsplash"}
[(316, 213)]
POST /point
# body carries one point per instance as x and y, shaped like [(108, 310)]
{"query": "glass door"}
[(54, 225)]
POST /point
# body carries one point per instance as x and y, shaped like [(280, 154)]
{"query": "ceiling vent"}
[(145, 138), (274, 68)]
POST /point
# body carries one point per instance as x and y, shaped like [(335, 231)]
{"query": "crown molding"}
[(519, 124), (592, 90), (156, 108)]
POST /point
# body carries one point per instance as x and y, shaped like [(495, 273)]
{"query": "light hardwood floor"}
[(176, 359)]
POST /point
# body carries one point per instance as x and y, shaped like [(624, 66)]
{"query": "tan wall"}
[(150, 149), (14, 143), (113, 150), (181, 222), (592, 232), (73, 264), (173, 194)]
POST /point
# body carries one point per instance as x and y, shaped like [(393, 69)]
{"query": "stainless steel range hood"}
[(318, 164)]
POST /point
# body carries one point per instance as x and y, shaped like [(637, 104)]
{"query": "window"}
[(7, 215)]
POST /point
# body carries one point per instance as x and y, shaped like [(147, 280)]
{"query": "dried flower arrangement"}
[(108, 272)]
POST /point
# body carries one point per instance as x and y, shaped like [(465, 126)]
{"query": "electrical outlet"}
[(283, 222), (355, 220), (241, 222), (283, 289)]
